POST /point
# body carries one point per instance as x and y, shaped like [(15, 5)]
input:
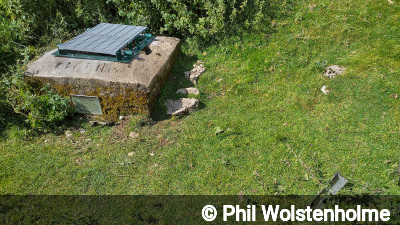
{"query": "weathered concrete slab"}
[(123, 88)]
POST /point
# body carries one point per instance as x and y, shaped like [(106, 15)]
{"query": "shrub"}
[(204, 18), (42, 107)]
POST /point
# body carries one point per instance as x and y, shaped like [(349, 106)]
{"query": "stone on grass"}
[(181, 106), (69, 135), (218, 130), (325, 89), (79, 161), (334, 70), (189, 90), (95, 123), (195, 73), (130, 154), (133, 135)]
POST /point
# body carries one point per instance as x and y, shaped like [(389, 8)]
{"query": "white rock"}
[(334, 70), (133, 135), (181, 106), (325, 89), (79, 161), (95, 123), (69, 135), (130, 154), (189, 90), (194, 74), (121, 117)]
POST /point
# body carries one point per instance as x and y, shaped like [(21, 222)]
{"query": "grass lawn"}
[(263, 90)]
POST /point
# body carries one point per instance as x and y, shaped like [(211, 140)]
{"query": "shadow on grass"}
[(175, 81), (185, 63)]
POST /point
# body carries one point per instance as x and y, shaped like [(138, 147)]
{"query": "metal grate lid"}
[(105, 38)]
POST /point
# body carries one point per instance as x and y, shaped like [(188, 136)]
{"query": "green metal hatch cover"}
[(87, 104), (106, 41)]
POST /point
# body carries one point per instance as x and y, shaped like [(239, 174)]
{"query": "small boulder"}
[(334, 70), (133, 135), (181, 106), (69, 135), (189, 90), (218, 131), (325, 89), (79, 161), (195, 73)]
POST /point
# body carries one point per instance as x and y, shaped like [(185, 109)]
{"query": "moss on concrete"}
[(123, 89), (126, 102)]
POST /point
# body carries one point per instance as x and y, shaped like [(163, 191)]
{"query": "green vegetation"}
[(43, 107), (260, 100)]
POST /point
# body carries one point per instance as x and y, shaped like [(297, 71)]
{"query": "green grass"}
[(268, 102)]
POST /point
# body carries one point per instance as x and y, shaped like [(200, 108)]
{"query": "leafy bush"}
[(203, 18), (41, 106)]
